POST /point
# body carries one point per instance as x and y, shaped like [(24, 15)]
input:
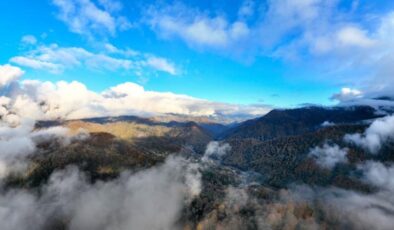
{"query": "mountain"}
[(149, 133), (284, 160), (277, 145), (210, 126), (288, 122)]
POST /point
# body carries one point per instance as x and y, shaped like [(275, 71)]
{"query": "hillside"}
[(288, 122)]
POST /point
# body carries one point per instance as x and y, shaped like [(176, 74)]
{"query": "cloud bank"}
[(9, 74), (328, 155), (73, 100)]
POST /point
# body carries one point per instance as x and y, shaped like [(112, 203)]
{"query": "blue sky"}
[(278, 53)]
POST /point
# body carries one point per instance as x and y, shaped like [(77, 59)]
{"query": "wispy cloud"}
[(197, 29), (161, 64), (56, 59), (89, 18), (29, 40)]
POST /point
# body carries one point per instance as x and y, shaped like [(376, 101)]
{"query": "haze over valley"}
[(164, 115)]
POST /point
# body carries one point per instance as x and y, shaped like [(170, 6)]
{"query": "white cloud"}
[(37, 64), (380, 100), (9, 74), (87, 18), (195, 28), (380, 131), (19, 140), (216, 149), (56, 59), (72, 100), (125, 52), (247, 9), (347, 94), (58, 133), (328, 155), (284, 16), (29, 40), (15, 144), (347, 42), (354, 36), (378, 174), (111, 5), (327, 124), (162, 65)]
